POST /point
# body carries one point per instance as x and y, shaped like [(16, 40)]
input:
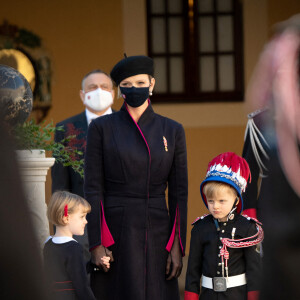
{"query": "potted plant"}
[(31, 136)]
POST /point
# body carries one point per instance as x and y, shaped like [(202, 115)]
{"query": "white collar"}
[(90, 116), (60, 239)]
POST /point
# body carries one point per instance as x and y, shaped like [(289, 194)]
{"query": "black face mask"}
[(135, 97)]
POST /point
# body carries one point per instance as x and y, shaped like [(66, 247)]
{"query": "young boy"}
[(223, 243)]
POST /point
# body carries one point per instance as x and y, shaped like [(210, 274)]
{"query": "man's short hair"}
[(96, 71)]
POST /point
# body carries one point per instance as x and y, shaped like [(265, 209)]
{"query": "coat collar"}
[(60, 239), (231, 217), (147, 114)]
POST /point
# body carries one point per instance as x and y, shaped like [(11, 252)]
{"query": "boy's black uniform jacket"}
[(204, 257), (127, 169)]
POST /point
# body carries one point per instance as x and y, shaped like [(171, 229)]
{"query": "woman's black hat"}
[(130, 66)]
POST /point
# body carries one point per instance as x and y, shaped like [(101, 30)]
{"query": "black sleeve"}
[(256, 142), (178, 186), (194, 269), (251, 194), (93, 183), (77, 273), (253, 263), (60, 174)]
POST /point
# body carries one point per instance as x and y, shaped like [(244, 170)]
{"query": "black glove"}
[(174, 261)]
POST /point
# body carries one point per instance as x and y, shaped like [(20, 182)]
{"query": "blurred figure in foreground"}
[(21, 267), (275, 85)]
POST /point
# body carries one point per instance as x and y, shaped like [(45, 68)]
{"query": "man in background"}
[(97, 95)]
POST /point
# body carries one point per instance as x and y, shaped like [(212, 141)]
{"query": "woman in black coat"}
[(132, 156)]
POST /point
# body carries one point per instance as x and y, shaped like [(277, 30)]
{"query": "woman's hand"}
[(174, 260), (99, 255)]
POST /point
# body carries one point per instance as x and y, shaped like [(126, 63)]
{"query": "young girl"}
[(223, 243), (62, 254)]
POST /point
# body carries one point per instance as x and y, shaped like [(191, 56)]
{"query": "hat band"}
[(227, 176)]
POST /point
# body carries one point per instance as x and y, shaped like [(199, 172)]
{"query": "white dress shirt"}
[(91, 116)]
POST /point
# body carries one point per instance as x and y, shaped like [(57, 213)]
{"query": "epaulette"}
[(255, 113), (253, 219), (199, 218)]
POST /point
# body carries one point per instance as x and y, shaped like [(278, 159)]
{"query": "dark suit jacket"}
[(64, 178)]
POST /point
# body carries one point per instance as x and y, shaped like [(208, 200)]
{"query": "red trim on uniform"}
[(253, 295), (251, 212), (106, 237), (198, 218), (191, 296)]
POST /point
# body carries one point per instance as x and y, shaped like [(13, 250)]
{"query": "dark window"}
[(197, 50)]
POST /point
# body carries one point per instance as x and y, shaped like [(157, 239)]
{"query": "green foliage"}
[(30, 135), (28, 38)]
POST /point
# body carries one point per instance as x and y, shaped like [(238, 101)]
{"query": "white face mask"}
[(98, 100)]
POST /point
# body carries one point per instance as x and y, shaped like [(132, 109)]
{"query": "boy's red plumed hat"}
[(231, 169)]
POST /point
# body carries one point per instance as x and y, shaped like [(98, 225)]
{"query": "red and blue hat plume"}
[(231, 169)]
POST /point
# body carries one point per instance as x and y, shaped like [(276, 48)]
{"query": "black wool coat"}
[(128, 167), (204, 258), (66, 271), (65, 178)]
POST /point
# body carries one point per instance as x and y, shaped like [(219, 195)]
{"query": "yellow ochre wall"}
[(79, 36), (83, 35)]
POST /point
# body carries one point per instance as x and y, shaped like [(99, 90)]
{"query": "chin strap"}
[(234, 207)]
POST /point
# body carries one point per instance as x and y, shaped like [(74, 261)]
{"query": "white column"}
[(33, 169)]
